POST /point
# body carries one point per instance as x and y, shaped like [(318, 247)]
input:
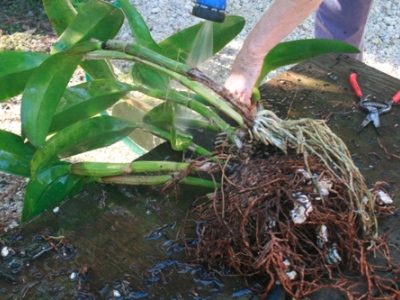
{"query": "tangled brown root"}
[(293, 217), (286, 221)]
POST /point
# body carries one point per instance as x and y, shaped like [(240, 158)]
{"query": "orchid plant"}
[(59, 121)]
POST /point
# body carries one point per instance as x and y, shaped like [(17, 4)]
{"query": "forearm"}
[(281, 18)]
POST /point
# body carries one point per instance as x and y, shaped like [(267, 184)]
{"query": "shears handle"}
[(396, 98), (355, 86)]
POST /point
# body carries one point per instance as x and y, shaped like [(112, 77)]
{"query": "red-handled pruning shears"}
[(373, 108)]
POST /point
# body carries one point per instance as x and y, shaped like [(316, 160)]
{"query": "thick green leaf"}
[(80, 137), (15, 69), (44, 90), (53, 194), (179, 45), (180, 140), (85, 100), (97, 19), (98, 69), (60, 14), (292, 52), (140, 137), (50, 187), (144, 75), (168, 113), (165, 116), (138, 26), (52, 171), (15, 156), (161, 116)]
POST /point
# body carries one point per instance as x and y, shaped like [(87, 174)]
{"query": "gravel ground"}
[(165, 17)]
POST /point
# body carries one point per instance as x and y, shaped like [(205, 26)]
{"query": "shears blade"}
[(373, 116)]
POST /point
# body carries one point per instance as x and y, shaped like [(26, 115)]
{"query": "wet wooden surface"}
[(124, 236), (108, 225), (320, 89)]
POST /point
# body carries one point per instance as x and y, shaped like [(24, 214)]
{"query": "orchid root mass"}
[(293, 208)]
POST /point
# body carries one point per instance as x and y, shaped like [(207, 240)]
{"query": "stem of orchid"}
[(187, 102), (100, 169), (155, 180), (175, 70)]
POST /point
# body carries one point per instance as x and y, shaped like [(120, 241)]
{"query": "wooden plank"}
[(110, 240), (320, 89), (110, 227)]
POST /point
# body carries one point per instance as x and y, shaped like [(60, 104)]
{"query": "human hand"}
[(280, 19), (243, 77)]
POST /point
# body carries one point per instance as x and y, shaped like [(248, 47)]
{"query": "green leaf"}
[(97, 19), (288, 53), (138, 26), (180, 140), (44, 90), (142, 138), (161, 116), (15, 69), (60, 14), (98, 69), (51, 186), (85, 100), (165, 116), (142, 35), (15, 156), (80, 137), (179, 45), (144, 75)]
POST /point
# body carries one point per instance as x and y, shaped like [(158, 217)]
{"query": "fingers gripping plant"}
[(59, 121)]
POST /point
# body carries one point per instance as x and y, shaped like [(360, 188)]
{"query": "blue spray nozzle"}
[(212, 10)]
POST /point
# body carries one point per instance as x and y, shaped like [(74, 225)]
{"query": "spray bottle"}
[(212, 10)]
